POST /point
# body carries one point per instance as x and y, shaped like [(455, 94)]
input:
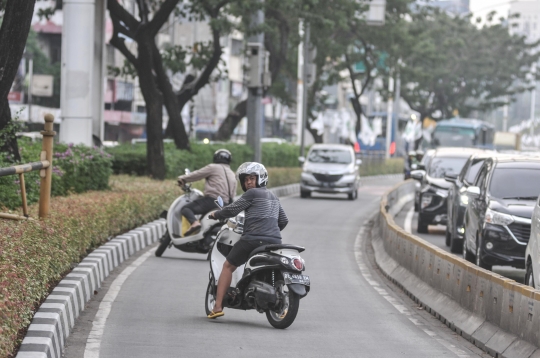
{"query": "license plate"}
[(296, 278)]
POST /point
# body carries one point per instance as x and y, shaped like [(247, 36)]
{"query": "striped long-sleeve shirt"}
[(264, 216)]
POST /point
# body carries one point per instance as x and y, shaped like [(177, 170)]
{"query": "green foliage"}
[(450, 63), (76, 169), (380, 167), (129, 159)]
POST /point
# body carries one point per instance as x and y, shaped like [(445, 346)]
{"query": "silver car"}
[(330, 169)]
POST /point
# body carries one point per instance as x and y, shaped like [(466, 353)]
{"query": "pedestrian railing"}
[(44, 166)]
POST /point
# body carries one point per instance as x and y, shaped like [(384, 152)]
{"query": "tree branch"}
[(161, 16), (119, 43), (122, 15)]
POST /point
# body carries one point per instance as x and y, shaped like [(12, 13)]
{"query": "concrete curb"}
[(496, 314), (56, 316)]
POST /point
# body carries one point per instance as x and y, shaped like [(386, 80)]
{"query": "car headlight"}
[(441, 192), (464, 199), (497, 218)]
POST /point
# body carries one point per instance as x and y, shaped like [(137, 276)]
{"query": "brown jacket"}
[(217, 176)]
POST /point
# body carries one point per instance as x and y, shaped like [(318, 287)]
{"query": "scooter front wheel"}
[(286, 315), (165, 241), (210, 300)]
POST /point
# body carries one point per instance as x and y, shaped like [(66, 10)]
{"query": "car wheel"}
[(467, 255), (529, 276), (448, 236), (305, 194), (478, 260), (353, 195), (422, 227)]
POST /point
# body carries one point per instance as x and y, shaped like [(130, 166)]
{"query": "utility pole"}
[(389, 115), (256, 55), (304, 87), (533, 98), (397, 106), (30, 82)]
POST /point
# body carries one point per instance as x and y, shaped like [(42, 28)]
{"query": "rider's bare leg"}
[(224, 283)]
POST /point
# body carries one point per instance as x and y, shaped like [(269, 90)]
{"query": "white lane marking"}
[(396, 303), (93, 343), (408, 220)]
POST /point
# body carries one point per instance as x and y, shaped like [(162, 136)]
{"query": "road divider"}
[(495, 313)]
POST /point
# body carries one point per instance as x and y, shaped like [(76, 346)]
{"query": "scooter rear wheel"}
[(210, 299), (165, 241), (287, 315)]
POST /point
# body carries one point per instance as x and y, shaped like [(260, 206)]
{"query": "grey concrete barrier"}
[(497, 314)]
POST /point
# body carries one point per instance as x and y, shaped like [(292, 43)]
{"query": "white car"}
[(330, 169), (532, 252)]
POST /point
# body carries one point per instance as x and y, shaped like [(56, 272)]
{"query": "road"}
[(154, 307), (408, 219)]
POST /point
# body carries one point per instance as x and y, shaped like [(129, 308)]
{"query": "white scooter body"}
[(174, 219), (217, 259)]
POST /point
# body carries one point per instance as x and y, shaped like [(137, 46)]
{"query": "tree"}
[(17, 17), (148, 64), (451, 64)]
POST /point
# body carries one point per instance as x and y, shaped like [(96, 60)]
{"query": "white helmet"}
[(252, 168)]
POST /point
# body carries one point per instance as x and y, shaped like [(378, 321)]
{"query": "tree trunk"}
[(231, 121), (154, 109), (175, 127), (13, 35), (358, 111)]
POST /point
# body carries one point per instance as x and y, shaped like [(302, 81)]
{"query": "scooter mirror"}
[(219, 202)]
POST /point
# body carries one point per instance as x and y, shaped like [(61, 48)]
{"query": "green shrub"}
[(380, 167), (75, 169), (131, 159)]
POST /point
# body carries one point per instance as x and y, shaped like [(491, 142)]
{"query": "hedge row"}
[(34, 255), (131, 159), (75, 169)]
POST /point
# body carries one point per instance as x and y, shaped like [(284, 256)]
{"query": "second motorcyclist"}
[(220, 181)]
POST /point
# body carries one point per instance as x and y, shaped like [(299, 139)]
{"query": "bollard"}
[(46, 174)]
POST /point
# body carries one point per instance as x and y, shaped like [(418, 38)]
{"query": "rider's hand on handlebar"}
[(181, 182), (211, 216)]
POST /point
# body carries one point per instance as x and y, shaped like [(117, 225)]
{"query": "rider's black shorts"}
[(241, 250)]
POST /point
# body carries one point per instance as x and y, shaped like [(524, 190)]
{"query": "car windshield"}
[(448, 136), (515, 183), (473, 171), (334, 156), (441, 166)]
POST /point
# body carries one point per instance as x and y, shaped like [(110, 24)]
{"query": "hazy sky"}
[(483, 7)]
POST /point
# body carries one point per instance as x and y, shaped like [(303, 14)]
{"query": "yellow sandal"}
[(213, 314)]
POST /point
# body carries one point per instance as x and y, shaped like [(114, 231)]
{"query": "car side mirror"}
[(418, 175), (301, 159), (421, 167), (450, 178), (187, 171), (358, 161), (473, 191)]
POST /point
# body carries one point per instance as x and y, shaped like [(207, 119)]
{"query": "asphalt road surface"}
[(408, 219), (154, 307)]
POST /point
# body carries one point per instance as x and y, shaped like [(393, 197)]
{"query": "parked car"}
[(532, 251), (331, 169), (498, 216), (458, 199), (434, 188), (419, 173)]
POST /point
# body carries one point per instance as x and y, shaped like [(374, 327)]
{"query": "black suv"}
[(434, 188), (498, 216), (458, 199)]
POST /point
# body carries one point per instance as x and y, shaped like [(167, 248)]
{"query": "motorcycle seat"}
[(272, 247)]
